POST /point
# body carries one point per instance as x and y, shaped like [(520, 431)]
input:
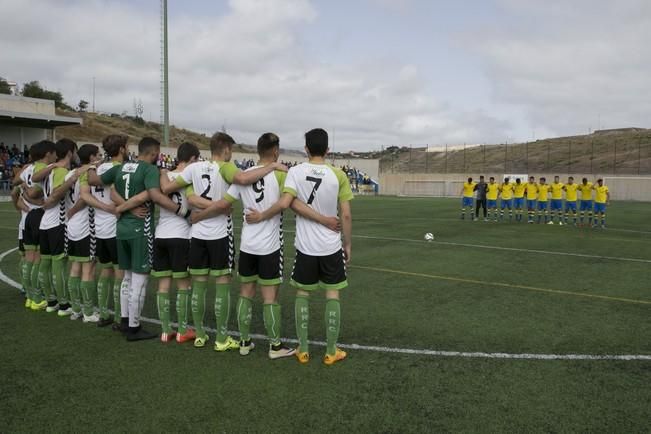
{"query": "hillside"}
[(97, 126), (621, 151)]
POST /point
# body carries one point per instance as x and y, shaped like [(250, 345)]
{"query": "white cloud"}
[(569, 63), (247, 69)]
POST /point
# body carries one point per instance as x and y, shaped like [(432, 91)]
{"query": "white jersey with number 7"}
[(321, 187)]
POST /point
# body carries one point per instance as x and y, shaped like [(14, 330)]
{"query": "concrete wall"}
[(431, 184), (23, 104), (22, 136)]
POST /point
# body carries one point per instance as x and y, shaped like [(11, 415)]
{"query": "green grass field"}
[(479, 287)]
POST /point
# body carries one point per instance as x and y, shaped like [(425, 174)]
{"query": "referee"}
[(481, 189)]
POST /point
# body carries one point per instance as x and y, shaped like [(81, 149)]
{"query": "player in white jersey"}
[(320, 254), (81, 246), (41, 154), (103, 221), (22, 208), (212, 245), (52, 234), (261, 249)]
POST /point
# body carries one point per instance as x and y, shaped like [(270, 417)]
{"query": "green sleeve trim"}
[(38, 166), (280, 177), (228, 171), (83, 179), (189, 190), (181, 182), (345, 193), (59, 176), (228, 198), (289, 190)]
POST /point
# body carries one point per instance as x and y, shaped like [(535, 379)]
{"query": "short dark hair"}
[(40, 149), (220, 141), (542, 178), (585, 180), (146, 144), (481, 176), (600, 180), (316, 141), (571, 177), (186, 151), (63, 146), (87, 151), (532, 177), (517, 180), (469, 179), (507, 179), (113, 143), (492, 178), (266, 143)]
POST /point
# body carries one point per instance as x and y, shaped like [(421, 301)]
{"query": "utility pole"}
[(165, 108)]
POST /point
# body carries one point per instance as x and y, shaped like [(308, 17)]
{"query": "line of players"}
[(101, 215), (542, 200)]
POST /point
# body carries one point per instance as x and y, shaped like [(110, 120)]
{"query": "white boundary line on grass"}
[(418, 352)]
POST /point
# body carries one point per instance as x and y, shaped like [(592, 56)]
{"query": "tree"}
[(82, 106), (4, 87), (33, 89)]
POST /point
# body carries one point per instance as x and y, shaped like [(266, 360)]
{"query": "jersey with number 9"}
[(322, 187), (264, 237)]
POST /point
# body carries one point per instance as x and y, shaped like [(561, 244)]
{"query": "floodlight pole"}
[(165, 83)]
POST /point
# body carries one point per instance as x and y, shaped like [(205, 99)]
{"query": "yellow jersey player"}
[(491, 197), (518, 198), (532, 194), (543, 193), (506, 198), (557, 201), (586, 200), (467, 195), (601, 200), (570, 199)]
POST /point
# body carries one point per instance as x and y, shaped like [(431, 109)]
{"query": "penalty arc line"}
[(412, 351)]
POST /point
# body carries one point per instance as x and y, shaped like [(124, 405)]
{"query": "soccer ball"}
[(429, 236)]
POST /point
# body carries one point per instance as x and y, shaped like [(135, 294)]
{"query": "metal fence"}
[(630, 156)]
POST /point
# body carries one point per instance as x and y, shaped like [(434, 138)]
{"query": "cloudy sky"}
[(372, 72)]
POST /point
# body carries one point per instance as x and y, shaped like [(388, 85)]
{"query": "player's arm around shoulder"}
[(182, 180), (233, 175)]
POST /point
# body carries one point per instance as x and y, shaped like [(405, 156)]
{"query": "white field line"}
[(412, 351)]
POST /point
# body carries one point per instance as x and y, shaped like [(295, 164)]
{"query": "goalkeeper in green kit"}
[(135, 235)]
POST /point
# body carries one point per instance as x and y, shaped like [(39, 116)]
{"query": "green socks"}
[(271, 316), (44, 278), (244, 315), (89, 294), (103, 292), (59, 279), (117, 309), (25, 276), (199, 306), (333, 323), (302, 314), (182, 296), (73, 289), (34, 283), (163, 304), (222, 309)]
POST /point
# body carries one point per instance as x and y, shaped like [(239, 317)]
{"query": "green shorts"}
[(135, 255)]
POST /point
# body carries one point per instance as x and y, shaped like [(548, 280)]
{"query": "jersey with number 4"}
[(321, 187), (130, 179), (77, 227), (264, 237), (169, 224), (55, 216), (210, 180), (105, 222), (26, 177)]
